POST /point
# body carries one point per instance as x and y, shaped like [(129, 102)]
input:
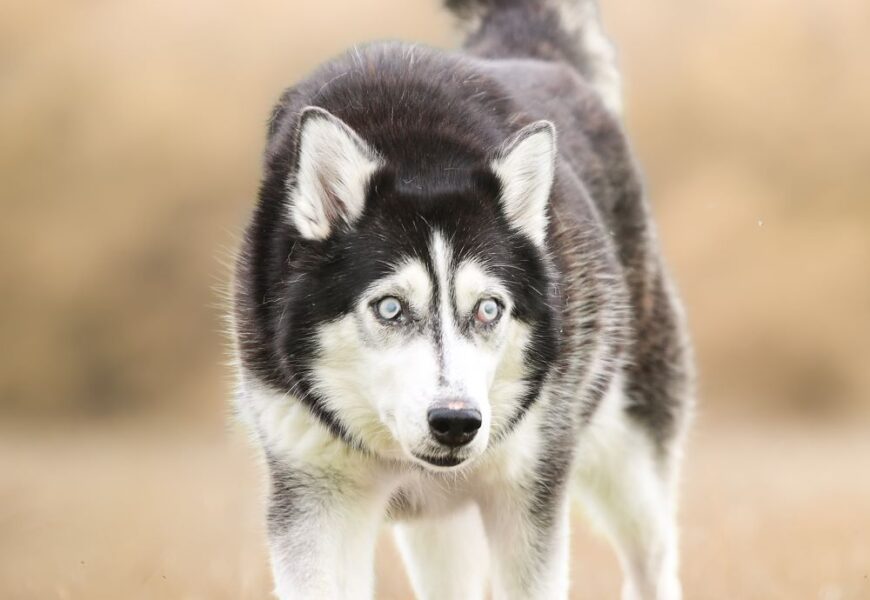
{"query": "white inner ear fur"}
[(525, 166), (334, 168)]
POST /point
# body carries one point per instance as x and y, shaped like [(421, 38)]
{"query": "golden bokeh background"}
[(130, 140)]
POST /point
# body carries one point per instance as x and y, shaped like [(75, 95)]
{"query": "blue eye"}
[(488, 310), (389, 308)]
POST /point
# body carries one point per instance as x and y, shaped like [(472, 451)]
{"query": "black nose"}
[(454, 427)]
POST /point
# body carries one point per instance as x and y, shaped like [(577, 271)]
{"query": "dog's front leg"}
[(322, 532), (528, 531)]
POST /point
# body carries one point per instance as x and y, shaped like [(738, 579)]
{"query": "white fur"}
[(446, 555), (334, 168), (630, 496), (379, 381), (503, 481), (525, 167), (329, 554)]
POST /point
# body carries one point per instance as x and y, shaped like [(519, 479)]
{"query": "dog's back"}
[(558, 63), (557, 31)]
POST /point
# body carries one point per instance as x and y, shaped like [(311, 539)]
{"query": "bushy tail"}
[(567, 31)]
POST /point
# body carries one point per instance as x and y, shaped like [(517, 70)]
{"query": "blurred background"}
[(130, 140)]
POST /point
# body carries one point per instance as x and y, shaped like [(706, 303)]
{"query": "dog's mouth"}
[(440, 460)]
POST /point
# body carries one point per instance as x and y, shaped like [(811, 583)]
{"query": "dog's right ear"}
[(525, 166), (334, 167)]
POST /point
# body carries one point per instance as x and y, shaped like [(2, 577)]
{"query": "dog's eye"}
[(388, 308), (488, 310)]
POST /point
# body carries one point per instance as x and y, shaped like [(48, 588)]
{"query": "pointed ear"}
[(525, 165), (334, 166)]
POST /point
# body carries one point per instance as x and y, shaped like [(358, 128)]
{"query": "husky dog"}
[(450, 313)]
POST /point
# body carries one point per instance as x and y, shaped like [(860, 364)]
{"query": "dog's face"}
[(419, 321), (419, 353)]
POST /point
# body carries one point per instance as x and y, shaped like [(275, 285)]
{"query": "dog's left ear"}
[(334, 167), (525, 165)]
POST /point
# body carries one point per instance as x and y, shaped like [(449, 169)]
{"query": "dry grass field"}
[(770, 512), (130, 140)]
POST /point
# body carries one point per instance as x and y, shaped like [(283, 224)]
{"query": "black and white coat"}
[(461, 231)]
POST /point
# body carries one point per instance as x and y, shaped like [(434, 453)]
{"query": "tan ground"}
[(770, 512)]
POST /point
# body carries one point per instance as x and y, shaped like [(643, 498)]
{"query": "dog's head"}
[(415, 315)]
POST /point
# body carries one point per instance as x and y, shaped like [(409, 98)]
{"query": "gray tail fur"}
[(567, 31)]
